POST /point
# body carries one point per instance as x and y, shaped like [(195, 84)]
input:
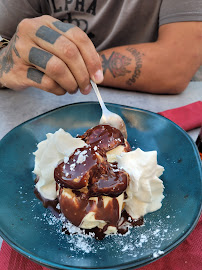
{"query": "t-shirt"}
[(108, 23)]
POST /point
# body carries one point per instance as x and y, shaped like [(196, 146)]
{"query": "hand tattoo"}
[(64, 27), (35, 75), (47, 34), (39, 57), (6, 56), (137, 71), (116, 64)]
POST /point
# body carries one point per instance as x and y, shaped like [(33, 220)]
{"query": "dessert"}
[(100, 184)]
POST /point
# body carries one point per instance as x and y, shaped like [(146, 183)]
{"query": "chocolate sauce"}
[(94, 172), (127, 221), (110, 214), (76, 207), (103, 136), (111, 183), (50, 204), (76, 172), (123, 226)]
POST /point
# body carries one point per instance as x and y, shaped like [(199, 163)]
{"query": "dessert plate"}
[(34, 232)]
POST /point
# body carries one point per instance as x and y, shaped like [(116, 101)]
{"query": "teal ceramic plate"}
[(31, 230)]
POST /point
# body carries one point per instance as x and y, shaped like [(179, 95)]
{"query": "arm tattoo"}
[(6, 56), (47, 34), (116, 64), (138, 59), (39, 57), (35, 75), (64, 27)]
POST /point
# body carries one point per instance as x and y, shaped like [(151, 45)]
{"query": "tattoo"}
[(116, 64), (64, 27), (137, 71), (35, 75), (39, 57), (47, 34), (6, 56)]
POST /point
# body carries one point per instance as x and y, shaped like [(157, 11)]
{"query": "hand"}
[(51, 55)]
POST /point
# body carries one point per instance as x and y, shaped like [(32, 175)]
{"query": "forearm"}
[(3, 44), (1, 55), (148, 67)]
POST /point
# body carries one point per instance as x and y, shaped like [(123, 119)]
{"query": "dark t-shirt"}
[(108, 23)]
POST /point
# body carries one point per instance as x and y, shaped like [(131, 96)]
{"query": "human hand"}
[(51, 55)]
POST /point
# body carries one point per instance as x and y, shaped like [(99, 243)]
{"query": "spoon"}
[(109, 117)]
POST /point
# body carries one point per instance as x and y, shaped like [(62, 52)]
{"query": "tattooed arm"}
[(53, 56), (165, 66), (1, 85)]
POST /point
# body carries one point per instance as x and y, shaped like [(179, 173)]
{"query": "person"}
[(151, 46)]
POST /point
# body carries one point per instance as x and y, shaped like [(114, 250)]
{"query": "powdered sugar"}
[(149, 237), (157, 253), (72, 167), (82, 157)]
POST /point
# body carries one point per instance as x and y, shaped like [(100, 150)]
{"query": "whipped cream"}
[(145, 189), (56, 147)]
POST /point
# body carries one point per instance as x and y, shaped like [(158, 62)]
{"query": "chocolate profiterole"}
[(91, 190), (89, 181)]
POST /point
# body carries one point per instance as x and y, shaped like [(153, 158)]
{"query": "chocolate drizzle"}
[(50, 204), (122, 225), (75, 174), (103, 136), (76, 207), (112, 182), (94, 173)]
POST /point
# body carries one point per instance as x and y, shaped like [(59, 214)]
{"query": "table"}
[(17, 107)]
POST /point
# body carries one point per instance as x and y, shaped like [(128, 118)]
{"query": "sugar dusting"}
[(133, 243), (77, 239), (148, 238), (82, 157)]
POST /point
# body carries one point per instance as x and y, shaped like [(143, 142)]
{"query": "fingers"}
[(65, 50), (54, 56), (85, 47), (70, 45), (26, 76), (17, 74), (50, 65), (40, 80)]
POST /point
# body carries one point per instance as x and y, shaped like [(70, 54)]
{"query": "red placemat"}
[(187, 117), (12, 260)]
